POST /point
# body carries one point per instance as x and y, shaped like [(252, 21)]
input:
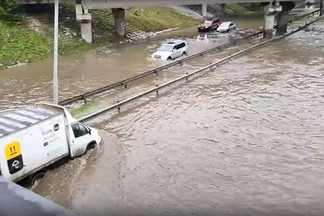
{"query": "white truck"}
[(35, 137)]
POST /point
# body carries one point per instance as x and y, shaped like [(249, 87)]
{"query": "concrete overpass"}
[(83, 15)]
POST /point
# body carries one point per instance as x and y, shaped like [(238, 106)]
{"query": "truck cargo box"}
[(30, 139)]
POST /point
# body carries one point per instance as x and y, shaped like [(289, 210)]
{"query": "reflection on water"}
[(246, 139)]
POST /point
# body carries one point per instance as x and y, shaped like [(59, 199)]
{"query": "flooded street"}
[(246, 139), (78, 74)]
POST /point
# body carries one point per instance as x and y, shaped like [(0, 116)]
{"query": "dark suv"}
[(209, 25)]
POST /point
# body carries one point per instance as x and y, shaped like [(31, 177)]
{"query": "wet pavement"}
[(246, 139)]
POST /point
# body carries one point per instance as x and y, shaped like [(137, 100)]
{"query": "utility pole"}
[(55, 72), (321, 7)]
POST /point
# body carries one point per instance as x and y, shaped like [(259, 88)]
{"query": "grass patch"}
[(103, 19), (158, 18), (18, 44), (79, 112), (237, 8)]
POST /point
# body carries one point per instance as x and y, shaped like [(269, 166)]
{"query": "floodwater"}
[(78, 74), (245, 139)]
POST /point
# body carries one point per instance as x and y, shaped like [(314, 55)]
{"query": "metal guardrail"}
[(295, 18), (185, 77), (126, 81)]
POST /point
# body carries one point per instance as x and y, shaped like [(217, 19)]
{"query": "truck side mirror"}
[(89, 130)]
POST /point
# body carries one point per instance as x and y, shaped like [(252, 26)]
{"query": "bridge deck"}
[(98, 4)]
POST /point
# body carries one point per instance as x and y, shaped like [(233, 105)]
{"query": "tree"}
[(10, 10)]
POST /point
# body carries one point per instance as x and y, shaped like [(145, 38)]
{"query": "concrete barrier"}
[(18, 201)]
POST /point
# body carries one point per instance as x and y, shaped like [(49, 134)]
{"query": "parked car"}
[(209, 25), (171, 50), (226, 27)]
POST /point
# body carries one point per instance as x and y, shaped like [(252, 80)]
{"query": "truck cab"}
[(80, 137)]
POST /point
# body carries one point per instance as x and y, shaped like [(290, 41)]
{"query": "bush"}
[(10, 11), (252, 6), (237, 8)]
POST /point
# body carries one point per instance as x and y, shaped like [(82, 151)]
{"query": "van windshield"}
[(166, 48)]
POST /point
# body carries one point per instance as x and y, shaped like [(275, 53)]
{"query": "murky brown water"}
[(246, 139), (78, 74)]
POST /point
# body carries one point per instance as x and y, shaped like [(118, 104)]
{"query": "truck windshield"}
[(79, 130)]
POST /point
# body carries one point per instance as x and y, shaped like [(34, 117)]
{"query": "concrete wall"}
[(18, 201)]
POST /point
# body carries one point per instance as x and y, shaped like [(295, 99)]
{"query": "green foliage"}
[(136, 12), (237, 8), (10, 11), (252, 6), (103, 19), (68, 47), (19, 44), (156, 19)]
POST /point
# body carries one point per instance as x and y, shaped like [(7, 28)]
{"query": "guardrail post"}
[(84, 99)]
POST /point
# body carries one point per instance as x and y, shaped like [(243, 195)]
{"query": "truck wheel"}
[(34, 179), (91, 146), (169, 58), (184, 54)]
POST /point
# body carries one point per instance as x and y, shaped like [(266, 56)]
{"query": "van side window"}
[(181, 45), (79, 130)]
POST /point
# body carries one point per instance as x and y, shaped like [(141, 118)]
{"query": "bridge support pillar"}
[(119, 15), (84, 18), (283, 17), (282, 22), (204, 10), (268, 25), (223, 7), (270, 12)]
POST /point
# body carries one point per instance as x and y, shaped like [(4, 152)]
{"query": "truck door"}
[(81, 139)]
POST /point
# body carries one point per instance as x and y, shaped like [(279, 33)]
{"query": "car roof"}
[(174, 42), (226, 23)]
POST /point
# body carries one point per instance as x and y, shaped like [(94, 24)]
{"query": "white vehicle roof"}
[(174, 42), (225, 24), (15, 120)]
